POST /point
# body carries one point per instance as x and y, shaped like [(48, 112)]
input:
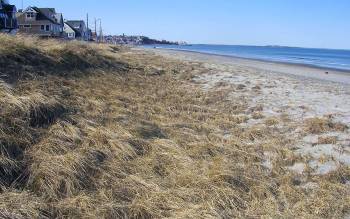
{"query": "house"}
[(69, 32), (43, 22), (8, 21), (81, 31)]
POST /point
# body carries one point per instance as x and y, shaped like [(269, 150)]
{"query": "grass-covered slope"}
[(91, 131)]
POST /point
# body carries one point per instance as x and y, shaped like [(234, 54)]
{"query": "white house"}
[(69, 31)]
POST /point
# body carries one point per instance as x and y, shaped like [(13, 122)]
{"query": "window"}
[(47, 27), (30, 14), (26, 26), (42, 27)]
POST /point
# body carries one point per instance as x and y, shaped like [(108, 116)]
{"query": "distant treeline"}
[(147, 41), (137, 40)]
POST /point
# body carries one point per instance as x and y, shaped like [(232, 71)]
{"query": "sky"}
[(302, 23)]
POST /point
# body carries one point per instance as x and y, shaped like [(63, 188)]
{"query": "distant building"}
[(8, 21), (81, 31), (43, 22)]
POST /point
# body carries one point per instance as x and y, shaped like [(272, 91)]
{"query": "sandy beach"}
[(306, 71), (120, 132), (279, 90)]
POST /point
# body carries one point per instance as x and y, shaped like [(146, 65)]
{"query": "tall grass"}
[(134, 138)]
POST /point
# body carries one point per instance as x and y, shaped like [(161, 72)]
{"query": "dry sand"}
[(282, 90)]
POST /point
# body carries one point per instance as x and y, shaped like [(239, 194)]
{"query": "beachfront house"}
[(81, 31), (42, 22), (69, 32), (8, 21)]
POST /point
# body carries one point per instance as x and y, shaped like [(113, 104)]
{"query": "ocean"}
[(324, 58)]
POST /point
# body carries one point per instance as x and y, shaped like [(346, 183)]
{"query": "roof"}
[(76, 24), (46, 13), (3, 3), (7, 8), (10, 8), (66, 23)]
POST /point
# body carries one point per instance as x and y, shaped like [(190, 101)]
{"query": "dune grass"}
[(320, 125), (89, 131)]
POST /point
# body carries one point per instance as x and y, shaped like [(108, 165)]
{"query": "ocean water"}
[(326, 58)]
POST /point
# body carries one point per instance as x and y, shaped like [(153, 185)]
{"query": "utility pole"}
[(96, 30), (87, 24), (22, 6), (101, 34)]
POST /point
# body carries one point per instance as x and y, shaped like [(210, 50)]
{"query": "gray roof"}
[(76, 24), (75, 30), (48, 14)]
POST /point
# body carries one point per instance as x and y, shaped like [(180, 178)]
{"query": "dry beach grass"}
[(98, 131)]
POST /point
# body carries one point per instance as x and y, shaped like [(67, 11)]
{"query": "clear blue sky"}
[(305, 23)]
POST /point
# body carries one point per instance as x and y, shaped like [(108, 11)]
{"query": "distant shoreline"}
[(301, 70)]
